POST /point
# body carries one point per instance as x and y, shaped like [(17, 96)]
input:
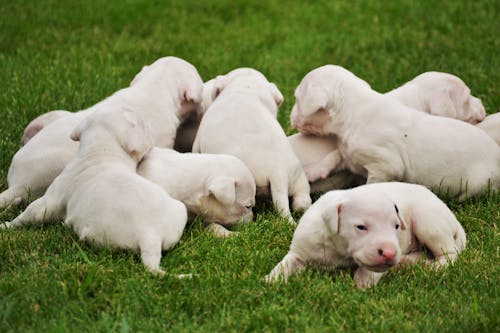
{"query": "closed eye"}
[(361, 227)]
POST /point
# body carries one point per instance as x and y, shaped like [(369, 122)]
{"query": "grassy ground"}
[(71, 54)]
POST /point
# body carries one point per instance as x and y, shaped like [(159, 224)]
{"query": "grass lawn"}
[(71, 54)]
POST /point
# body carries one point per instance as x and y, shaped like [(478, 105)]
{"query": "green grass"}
[(71, 54)]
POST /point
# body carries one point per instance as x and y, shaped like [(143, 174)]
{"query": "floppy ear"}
[(311, 100), (441, 104), (77, 131), (403, 224), (277, 95), (223, 189), (138, 138), (140, 75), (220, 83), (330, 216)]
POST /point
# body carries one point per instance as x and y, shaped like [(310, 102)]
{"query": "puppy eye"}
[(397, 226), (361, 227), (248, 206)]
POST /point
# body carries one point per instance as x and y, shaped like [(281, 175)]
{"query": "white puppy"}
[(383, 140), (437, 93), (491, 125), (101, 196), (37, 124), (440, 94), (165, 92), (375, 227), (242, 122), (218, 187)]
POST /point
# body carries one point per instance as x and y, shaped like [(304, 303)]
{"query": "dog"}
[(437, 93), (37, 124), (440, 94), (100, 195), (165, 92), (491, 125), (383, 140), (242, 122), (218, 187), (374, 227)]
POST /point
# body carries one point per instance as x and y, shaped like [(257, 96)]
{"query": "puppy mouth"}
[(379, 267)]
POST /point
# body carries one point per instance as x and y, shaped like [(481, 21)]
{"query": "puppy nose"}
[(387, 252)]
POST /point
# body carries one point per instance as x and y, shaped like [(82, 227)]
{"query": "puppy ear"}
[(403, 224), (77, 131), (223, 189), (312, 100), (331, 215), (220, 83), (277, 95), (140, 75), (441, 104), (138, 138)]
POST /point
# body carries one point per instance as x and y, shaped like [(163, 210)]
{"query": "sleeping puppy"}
[(374, 227), (440, 94), (383, 140), (436, 93), (242, 122), (491, 125), (100, 195), (218, 187), (165, 92)]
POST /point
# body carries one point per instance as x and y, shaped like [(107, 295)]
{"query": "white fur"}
[(491, 125), (218, 187), (186, 133), (383, 140), (437, 93), (101, 196), (165, 92), (328, 234), (242, 122), (37, 124), (440, 94)]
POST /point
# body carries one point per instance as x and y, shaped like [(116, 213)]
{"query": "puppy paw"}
[(301, 203), (156, 271), (219, 231)]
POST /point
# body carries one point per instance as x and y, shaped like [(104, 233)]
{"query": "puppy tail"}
[(12, 196)]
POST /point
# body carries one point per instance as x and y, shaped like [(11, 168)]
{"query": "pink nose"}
[(387, 252)]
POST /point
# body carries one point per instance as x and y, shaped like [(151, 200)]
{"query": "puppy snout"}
[(387, 252)]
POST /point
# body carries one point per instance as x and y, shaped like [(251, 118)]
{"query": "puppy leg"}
[(413, 258), (39, 211), (301, 193), (12, 196), (219, 231), (150, 248), (365, 278), (322, 169), (290, 265), (279, 194)]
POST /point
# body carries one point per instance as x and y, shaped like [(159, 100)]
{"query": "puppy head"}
[(448, 96), (249, 78), (320, 97), (108, 127), (229, 199), (179, 78), (368, 223)]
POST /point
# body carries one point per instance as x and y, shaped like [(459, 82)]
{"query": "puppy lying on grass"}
[(164, 92), (435, 93), (242, 122), (218, 187), (100, 195), (375, 227), (383, 140)]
